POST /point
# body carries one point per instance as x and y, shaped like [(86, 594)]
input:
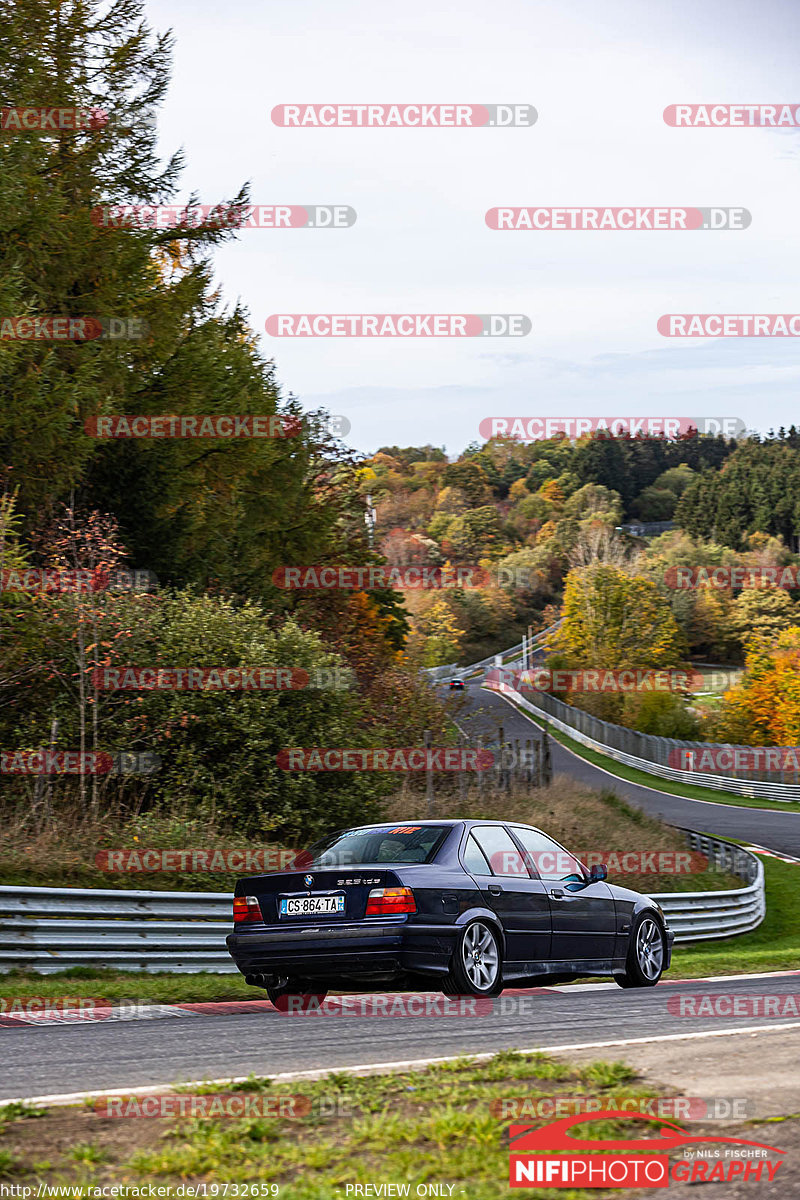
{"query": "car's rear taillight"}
[(246, 908), (387, 902)]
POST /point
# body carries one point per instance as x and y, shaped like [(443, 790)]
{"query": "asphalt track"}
[(44, 1061), (780, 831)]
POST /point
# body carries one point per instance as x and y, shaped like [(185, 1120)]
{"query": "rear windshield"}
[(386, 844)]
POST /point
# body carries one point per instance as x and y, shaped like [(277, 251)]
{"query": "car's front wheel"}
[(646, 952), (476, 968), (283, 992)]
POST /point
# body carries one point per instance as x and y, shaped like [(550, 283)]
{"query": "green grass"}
[(8, 1166), (88, 1154), (432, 1125), (133, 986), (687, 790), (18, 1108)]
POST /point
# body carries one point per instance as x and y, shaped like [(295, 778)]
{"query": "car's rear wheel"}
[(284, 988), (476, 968), (646, 953)]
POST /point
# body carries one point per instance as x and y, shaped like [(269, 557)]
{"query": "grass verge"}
[(133, 987), (429, 1126)]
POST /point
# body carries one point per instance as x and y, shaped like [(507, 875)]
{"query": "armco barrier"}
[(616, 742), (52, 929), (697, 916), (509, 657)]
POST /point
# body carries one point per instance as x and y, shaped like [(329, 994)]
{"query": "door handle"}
[(558, 893), (495, 889)]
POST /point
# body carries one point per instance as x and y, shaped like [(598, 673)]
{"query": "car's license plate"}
[(311, 906)]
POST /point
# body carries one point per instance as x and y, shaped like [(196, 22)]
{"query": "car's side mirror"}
[(598, 872)]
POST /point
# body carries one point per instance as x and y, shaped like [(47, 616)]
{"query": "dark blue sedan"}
[(466, 907)]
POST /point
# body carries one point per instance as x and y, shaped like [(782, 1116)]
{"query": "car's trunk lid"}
[(290, 898)]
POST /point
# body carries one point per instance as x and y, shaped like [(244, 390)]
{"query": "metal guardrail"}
[(647, 529), (569, 720), (436, 674), (509, 658), (52, 929), (699, 916)]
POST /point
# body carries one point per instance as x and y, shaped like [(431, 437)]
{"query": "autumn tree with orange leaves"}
[(764, 708)]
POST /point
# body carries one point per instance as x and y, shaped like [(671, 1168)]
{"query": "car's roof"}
[(395, 824), (468, 821)]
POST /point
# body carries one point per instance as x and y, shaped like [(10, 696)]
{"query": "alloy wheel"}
[(649, 948), (480, 956)]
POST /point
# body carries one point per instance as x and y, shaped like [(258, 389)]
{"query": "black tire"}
[(476, 968), (647, 952), (279, 992)]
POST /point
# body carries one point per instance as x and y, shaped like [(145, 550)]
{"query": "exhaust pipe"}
[(256, 980)]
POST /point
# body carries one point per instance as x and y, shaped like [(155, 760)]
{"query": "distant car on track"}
[(461, 906), (456, 685)]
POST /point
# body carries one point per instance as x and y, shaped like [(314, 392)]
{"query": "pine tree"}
[(221, 512)]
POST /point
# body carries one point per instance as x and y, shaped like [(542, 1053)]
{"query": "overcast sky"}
[(599, 77)]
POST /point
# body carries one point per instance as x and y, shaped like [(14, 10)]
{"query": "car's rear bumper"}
[(358, 950)]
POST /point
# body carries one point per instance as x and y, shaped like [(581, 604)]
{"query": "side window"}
[(474, 859), (503, 856), (549, 860)]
